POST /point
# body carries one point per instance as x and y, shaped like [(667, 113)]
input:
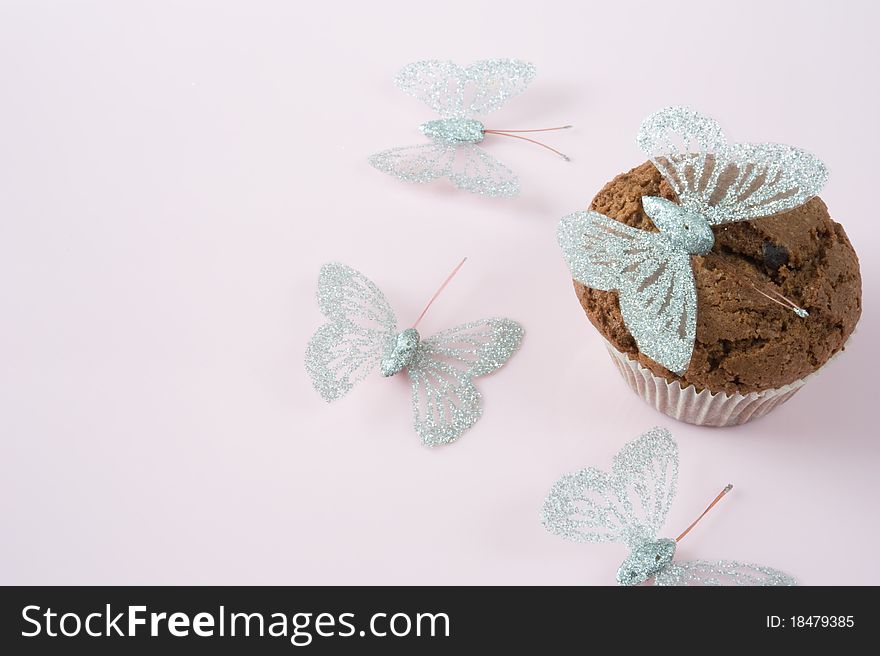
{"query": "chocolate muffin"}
[(745, 343)]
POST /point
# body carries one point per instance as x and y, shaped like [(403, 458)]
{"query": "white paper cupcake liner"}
[(702, 408)]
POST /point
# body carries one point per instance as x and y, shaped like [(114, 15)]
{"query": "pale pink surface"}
[(172, 176)]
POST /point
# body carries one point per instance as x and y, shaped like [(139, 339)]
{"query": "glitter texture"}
[(653, 278), (449, 90), (361, 323), (593, 506), (645, 561), (727, 182), (361, 335), (445, 400), (457, 94), (400, 353), (630, 505), (716, 183), (721, 572), (454, 131)]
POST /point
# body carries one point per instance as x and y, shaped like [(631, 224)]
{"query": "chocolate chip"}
[(775, 256)]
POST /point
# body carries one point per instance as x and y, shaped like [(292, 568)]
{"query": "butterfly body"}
[(400, 352), (687, 231), (454, 131), (646, 561)]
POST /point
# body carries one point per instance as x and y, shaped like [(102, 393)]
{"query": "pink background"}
[(172, 176)]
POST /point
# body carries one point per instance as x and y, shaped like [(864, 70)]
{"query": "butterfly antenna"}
[(764, 290), (561, 127), (543, 145), (440, 290), (727, 489), (784, 301)]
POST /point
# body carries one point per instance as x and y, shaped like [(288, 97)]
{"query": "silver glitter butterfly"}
[(362, 334), (457, 94), (629, 505), (716, 183)]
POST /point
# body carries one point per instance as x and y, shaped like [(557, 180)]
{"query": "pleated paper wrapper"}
[(702, 408)]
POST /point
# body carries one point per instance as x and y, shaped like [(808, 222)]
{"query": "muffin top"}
[(745, 342)]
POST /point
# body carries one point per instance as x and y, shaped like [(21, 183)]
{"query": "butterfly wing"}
[(725, 182), (439, 84), (346, 348), (477, 171), (493, 81), (445, 400), (628, 505), (580, 508), (644, 476), (660, 311), (603, 253), (721, 572), (755, 180), (421, 163), (655, 283), (467, 166), (478, 89)]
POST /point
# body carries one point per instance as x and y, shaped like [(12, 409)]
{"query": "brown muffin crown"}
[(745, 342)]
